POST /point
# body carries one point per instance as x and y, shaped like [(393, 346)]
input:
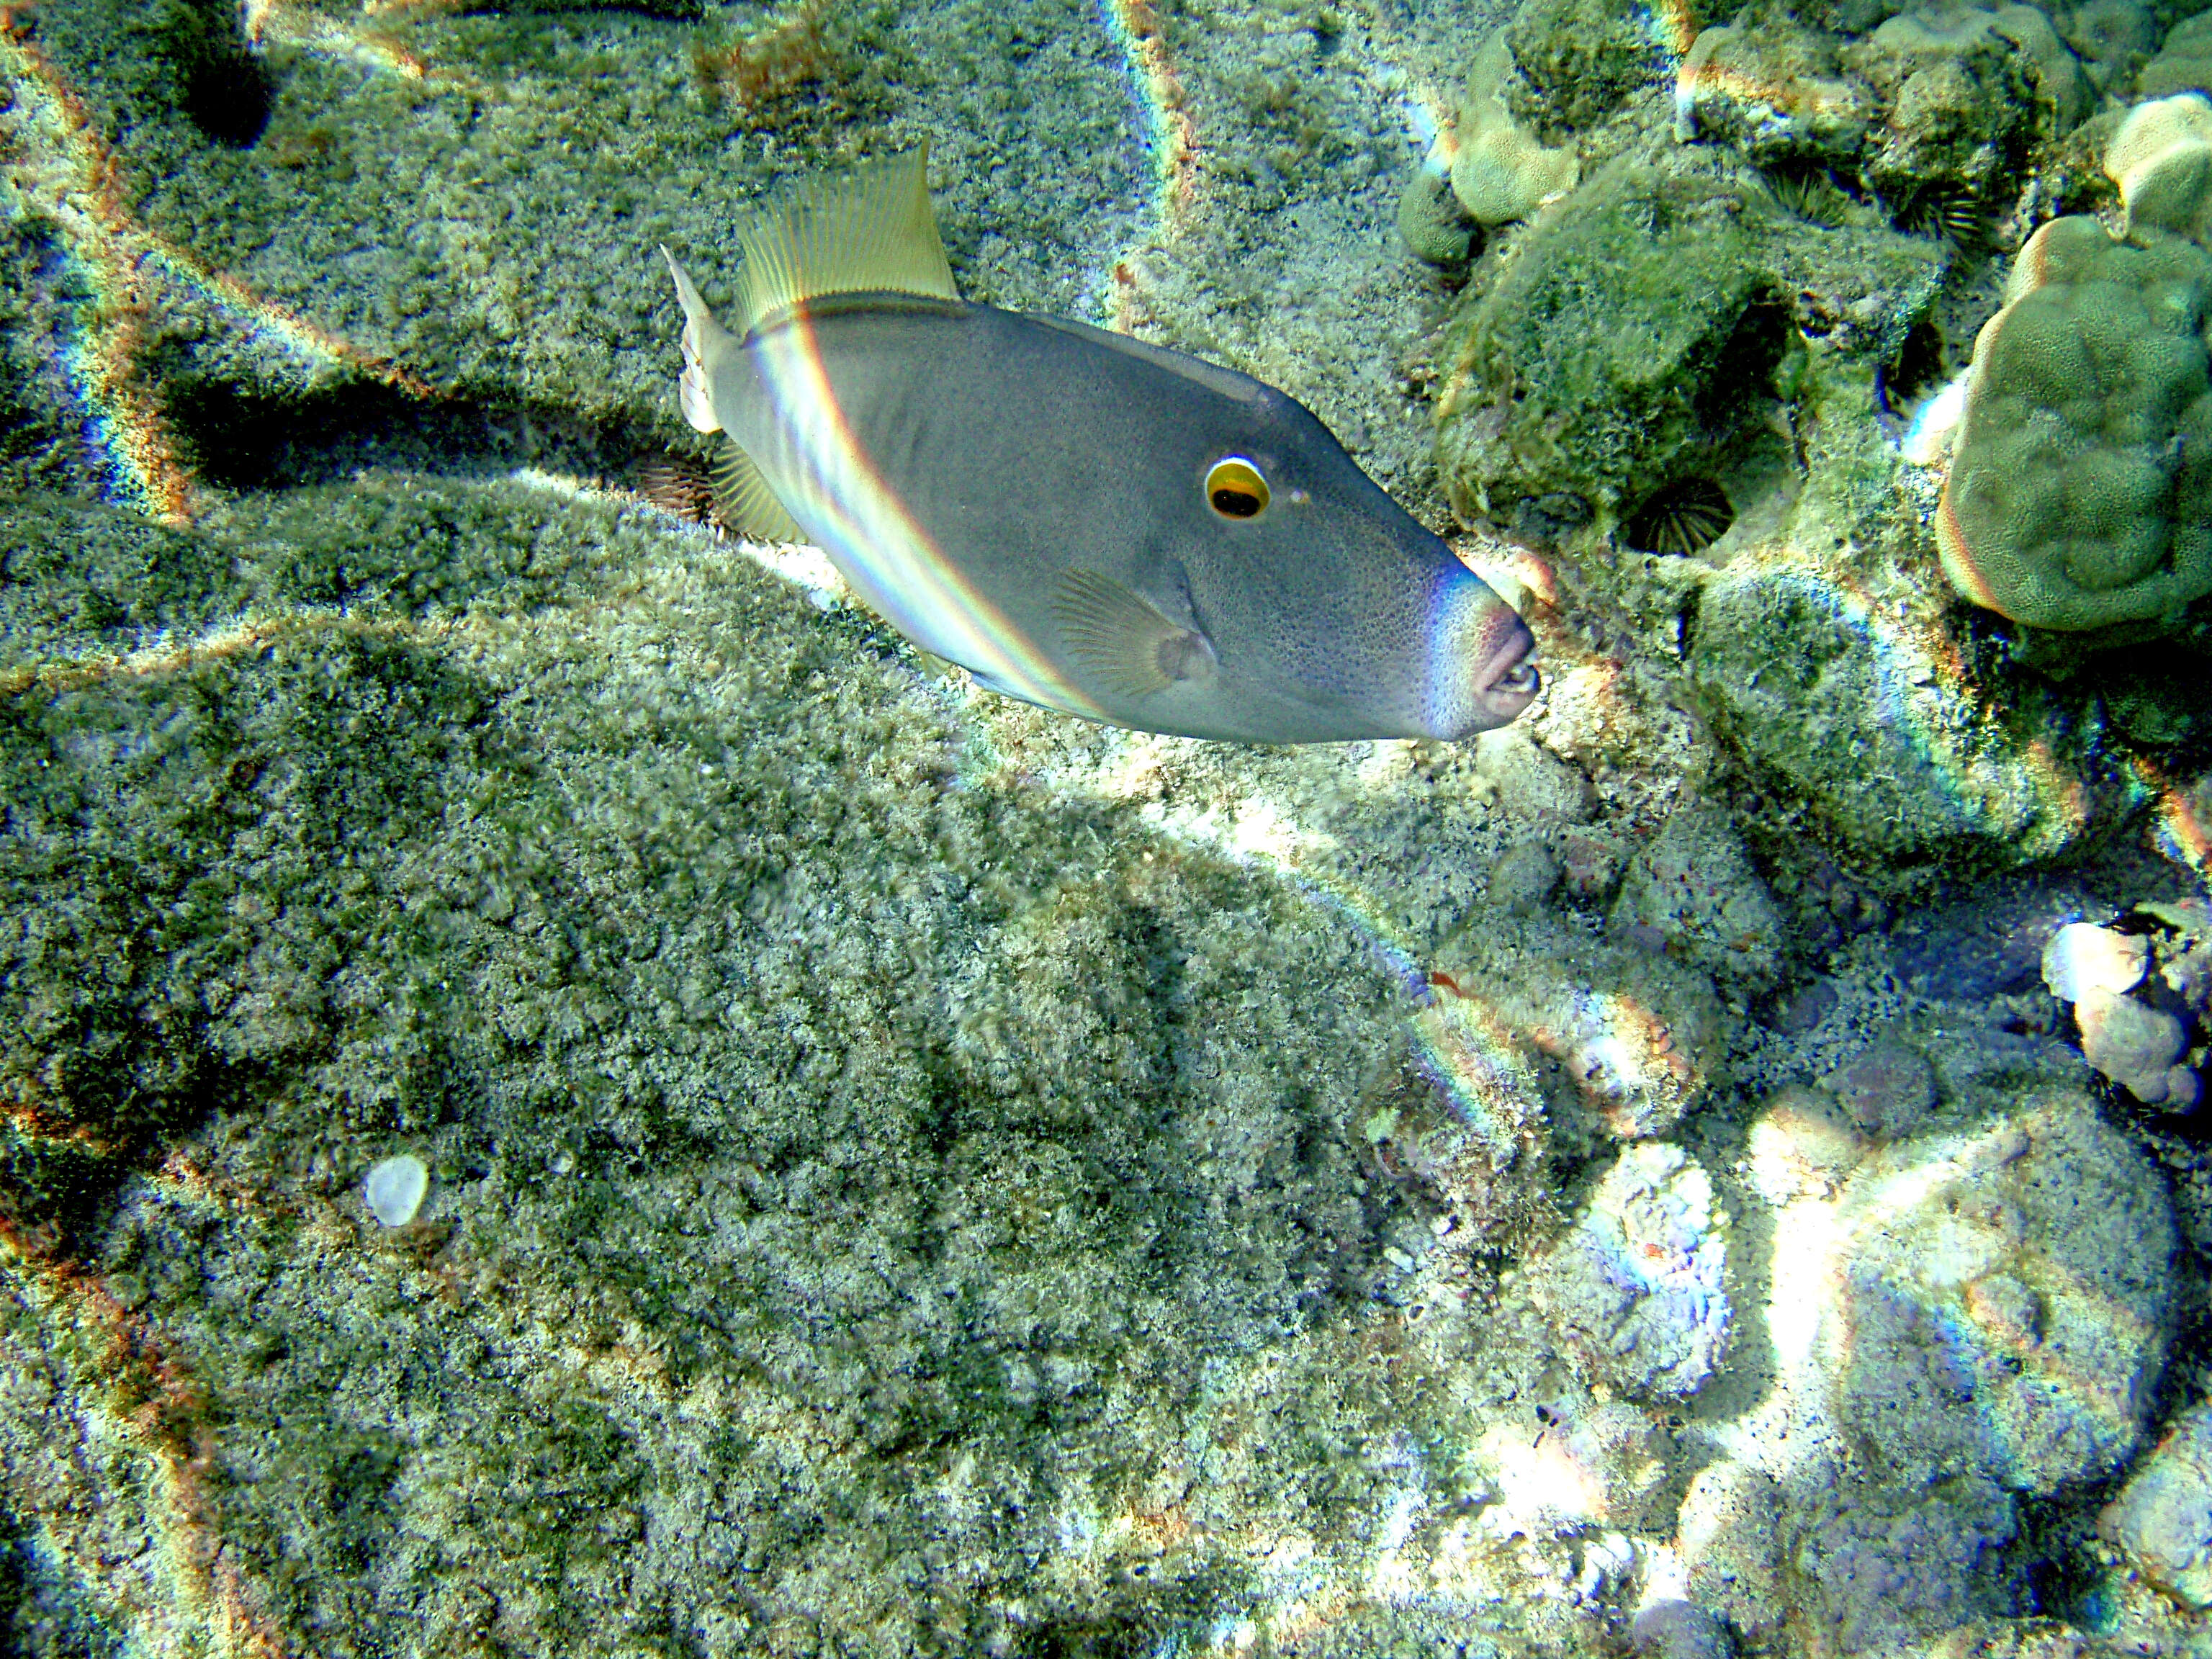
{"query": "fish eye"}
[(1235, 488)]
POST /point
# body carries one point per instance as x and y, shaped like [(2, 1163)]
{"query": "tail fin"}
[(702, 334)]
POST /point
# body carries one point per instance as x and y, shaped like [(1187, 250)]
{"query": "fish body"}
[(1083, 521)]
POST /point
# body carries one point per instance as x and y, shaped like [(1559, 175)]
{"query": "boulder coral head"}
[(2161, 159), (2080, 496)]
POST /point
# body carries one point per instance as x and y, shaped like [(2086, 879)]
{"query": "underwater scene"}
[(1121, 827)]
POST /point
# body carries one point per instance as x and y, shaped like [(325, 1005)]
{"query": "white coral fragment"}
[(395, 1189), (2082, 957)]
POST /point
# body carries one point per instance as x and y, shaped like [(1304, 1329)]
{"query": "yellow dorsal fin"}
[(870, 231)]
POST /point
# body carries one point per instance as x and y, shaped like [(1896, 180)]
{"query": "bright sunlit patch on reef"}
[(1927, 440), (796, 562), (1545, 1484), (307, 28)]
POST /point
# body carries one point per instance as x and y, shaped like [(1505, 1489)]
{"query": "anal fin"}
[(745, 503), (1124, 641)]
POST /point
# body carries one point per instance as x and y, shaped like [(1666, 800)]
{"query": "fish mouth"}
[(1506, 679)]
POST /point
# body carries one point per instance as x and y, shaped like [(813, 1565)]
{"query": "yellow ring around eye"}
[(1235, 489)]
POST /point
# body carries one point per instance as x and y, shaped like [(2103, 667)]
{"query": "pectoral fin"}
[(1123, 640), (745, 503)]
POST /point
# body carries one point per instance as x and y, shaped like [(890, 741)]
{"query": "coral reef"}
[(561, 1091), (1432, 222), (1765, 273)]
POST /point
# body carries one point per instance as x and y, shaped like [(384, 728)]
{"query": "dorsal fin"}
[(870, 231)]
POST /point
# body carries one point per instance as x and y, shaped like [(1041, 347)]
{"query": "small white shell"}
[(395, 1188)]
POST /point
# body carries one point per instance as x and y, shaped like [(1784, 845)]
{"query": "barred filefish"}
[(1078, 519)]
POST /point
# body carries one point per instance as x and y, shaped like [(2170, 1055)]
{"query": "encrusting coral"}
[(1501, 172)]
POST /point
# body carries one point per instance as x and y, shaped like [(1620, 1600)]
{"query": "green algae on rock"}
[(1626, 340), (1647, 330), (1773, 88), (1579, 61), (1963, 93)]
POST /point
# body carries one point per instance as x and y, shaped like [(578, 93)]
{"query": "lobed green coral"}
[(2079, 495), (2183, 62)]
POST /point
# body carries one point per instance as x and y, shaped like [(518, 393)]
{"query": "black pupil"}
[(1233, 503)]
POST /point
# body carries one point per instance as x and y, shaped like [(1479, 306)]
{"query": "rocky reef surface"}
[(563, 1092)]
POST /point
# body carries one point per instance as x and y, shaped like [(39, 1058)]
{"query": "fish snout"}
[(1505, 679)]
